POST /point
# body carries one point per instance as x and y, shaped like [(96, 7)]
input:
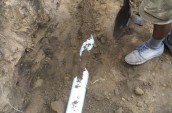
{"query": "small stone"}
[(164, 85), (123, 99), (138, 91), (119, 110), (58, 106)]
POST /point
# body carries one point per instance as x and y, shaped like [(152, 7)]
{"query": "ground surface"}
[(46, 70)]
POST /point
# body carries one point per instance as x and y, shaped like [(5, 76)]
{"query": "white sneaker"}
[(143, 54)]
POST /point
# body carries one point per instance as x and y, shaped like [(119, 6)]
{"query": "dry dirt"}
[(39, 55)]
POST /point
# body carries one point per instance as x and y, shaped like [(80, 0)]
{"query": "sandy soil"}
[(44, 73)]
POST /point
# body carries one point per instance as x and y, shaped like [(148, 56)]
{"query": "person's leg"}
[(152, 48), (161, 31)]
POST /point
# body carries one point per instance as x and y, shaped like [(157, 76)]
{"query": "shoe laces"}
[(142, 48)]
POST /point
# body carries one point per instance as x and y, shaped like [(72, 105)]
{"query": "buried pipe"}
[(78, 90), (77, 94), (87, 45)]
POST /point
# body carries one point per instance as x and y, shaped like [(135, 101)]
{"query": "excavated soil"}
[(41, 70)]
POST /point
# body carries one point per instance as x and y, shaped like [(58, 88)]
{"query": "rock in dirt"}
[(119, 110), (123, 99), (58, 106), (138, 91)]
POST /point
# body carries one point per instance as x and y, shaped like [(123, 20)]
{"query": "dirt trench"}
[(47, 60)]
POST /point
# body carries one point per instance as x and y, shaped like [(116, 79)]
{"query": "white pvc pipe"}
[(77, 95), (87, 45)]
